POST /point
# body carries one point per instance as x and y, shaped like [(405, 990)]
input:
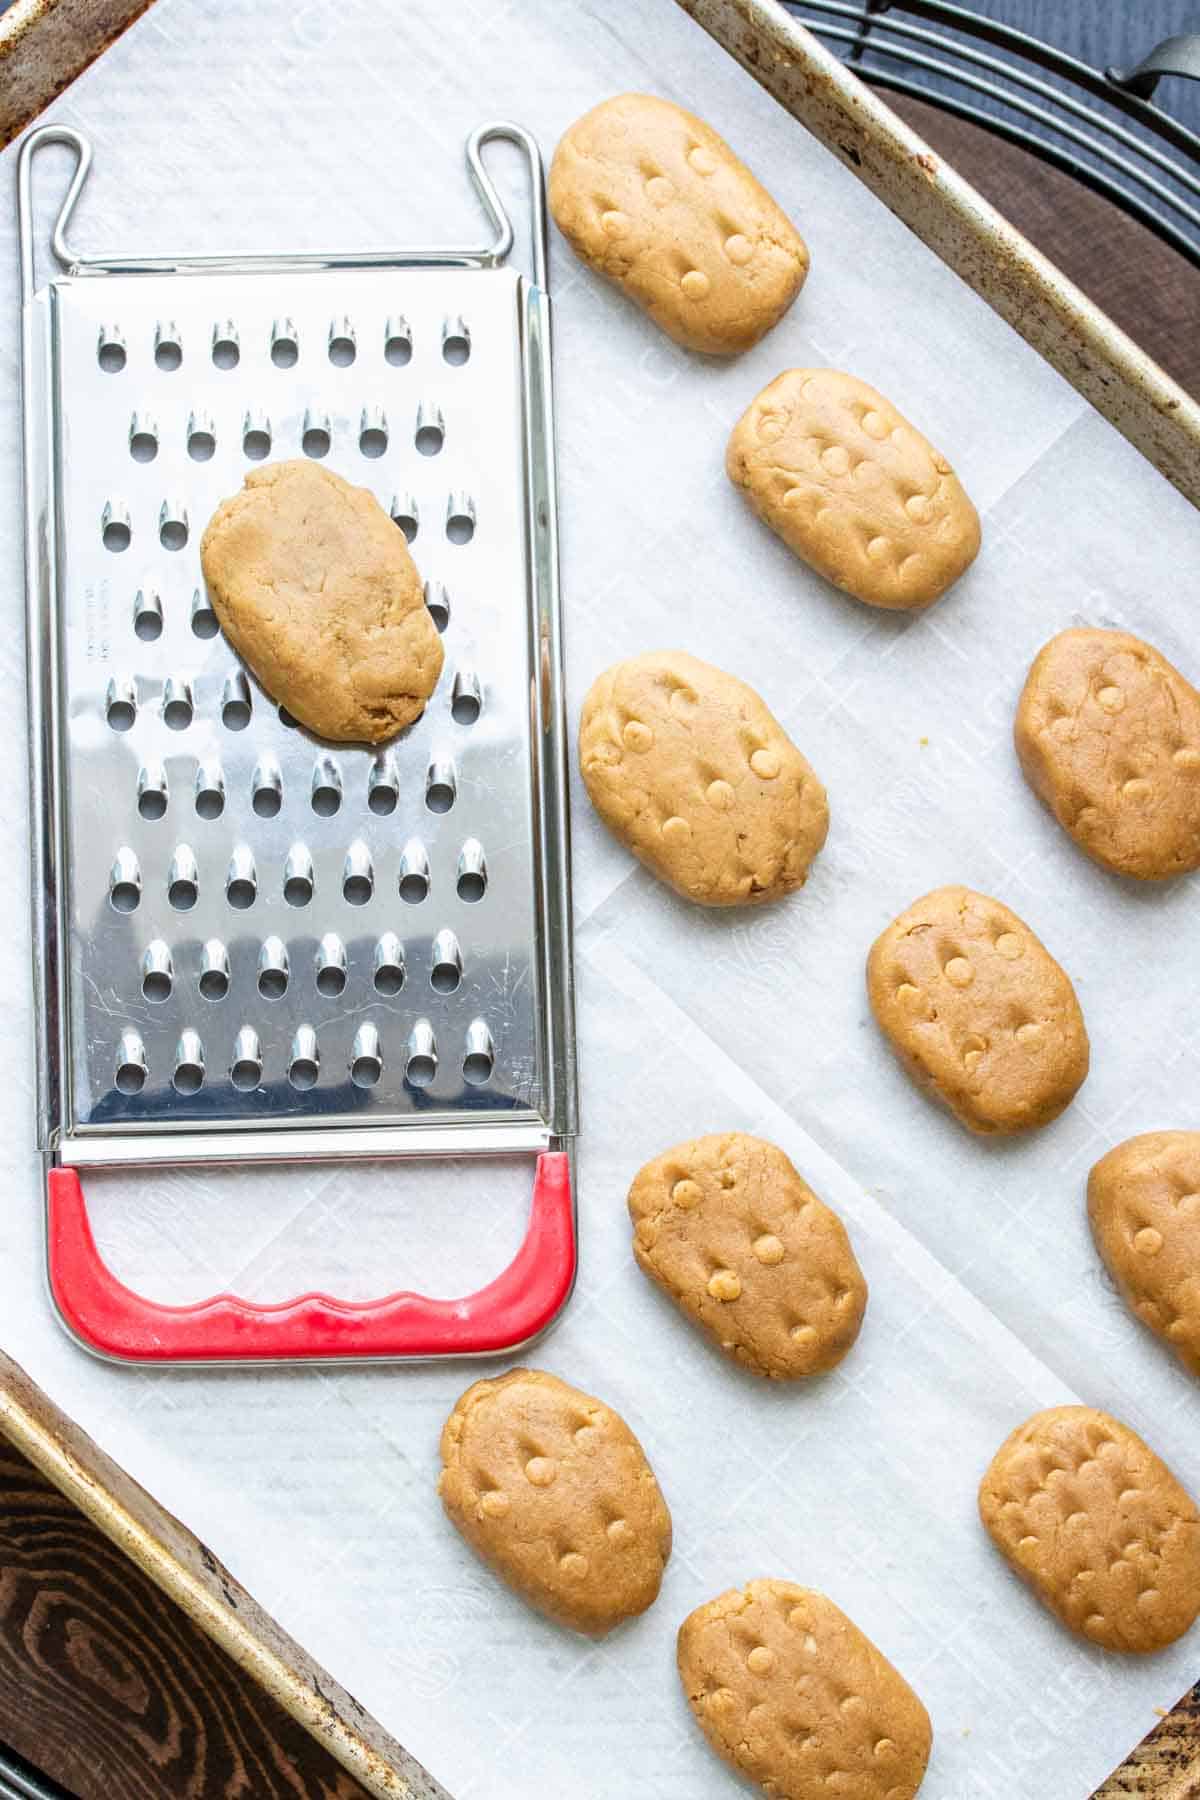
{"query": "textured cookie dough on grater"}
[(726, 1227), (794, 1696), (649, 196), (689, 768), (315, 589), (551, 1488)]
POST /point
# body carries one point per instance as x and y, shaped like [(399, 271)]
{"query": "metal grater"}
[(249, 944)]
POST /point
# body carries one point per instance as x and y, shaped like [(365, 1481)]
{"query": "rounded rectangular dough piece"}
[(791, 1693), (978, 1011), (1108, 735), (726, 1226), (690, 769), (315, 589), (1144, 1208), (552, 1489), (1098, 1526), (649, 196), (853, 489)]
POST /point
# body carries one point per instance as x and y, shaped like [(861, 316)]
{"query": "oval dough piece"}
[(853, 489), (978, 1011), (689, 769), (648, 195), (1144, 1207), (551, 1488), (313, 586), (1098, 1526), (1108, 733), (726, 1226), (792, 1694)]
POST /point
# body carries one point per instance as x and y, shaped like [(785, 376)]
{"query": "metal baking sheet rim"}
[(143, 1530), (1054, 316)]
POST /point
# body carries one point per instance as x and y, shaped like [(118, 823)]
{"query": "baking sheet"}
[(262, 124)]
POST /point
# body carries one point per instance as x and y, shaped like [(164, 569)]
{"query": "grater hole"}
[(316, 441), (246, 1074), (429, 441), (156, 985), (397, 347), (298, 890), (445, 977), (201, 445), (414, 886), (440, 787), (241, 879), (477, 1068), (303, 1073), (256, 443), (210, 802), (460, 528), (173, 533), (285, 345), (177, 706), (111, 355), (326, 799), (382, 798), (286, 719), (438, 602), (152, 803), (182, 893), (272, 984), (120, 713), (130, 1076), (189, 1076), (421, 1069), (331, 981), (124, 896), (240, 892), (472, 885), (225, 352), (466, 698), (266, 802), (373, 441), (204, 619), (405, 515), (115, 535), (147, 617), (168, 353), (214, 984), (357, 890), (143, 446), (389, 979), (365, 1070), (235, 715), (456, 344), (342, 351)]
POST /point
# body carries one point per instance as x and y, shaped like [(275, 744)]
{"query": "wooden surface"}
[(108, 1688)]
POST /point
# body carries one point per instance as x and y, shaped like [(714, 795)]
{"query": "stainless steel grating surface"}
[(262, 927)]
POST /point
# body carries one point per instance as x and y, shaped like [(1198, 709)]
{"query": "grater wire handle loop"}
[(504, 130), (49, 134)]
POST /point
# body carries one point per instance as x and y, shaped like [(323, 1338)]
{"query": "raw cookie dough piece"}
[(791, 1693), (650, 196), (726, 1226), (1098, 1526), (552, 1489), (690, 770), (1108, 733), (1144, 1207), (853, 488), (314, 588), (978, 1011)]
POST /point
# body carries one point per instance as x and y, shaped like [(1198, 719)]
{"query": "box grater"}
[(250, 945)]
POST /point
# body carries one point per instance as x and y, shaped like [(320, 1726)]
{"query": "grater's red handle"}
[(109, 1317)]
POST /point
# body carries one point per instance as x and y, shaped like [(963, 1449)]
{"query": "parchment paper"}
[(260, 124)]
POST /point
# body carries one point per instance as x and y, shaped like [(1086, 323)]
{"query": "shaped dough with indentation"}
[(692, 771), (853, 489), (726, 1226), (649, 196), (793, 1695), (553, 1490), (978, 1011), (1098, 1526), (1108, 734), (1144, 1207), (316, 591)]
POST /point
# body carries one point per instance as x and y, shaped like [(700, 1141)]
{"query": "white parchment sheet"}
[(261, 124)]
